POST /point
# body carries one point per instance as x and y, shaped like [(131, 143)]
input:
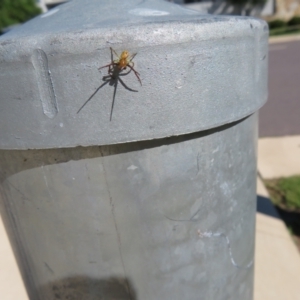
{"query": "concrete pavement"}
[(279, 157)]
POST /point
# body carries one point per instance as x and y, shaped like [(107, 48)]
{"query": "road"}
[(281, 115)]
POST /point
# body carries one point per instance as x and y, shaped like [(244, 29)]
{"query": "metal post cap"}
[(198, 71)]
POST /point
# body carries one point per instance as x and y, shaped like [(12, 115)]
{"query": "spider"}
[(123, 61), (114, 75)]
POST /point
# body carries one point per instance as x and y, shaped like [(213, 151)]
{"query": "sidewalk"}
[(284, 38), (11, 285), (277, 261)]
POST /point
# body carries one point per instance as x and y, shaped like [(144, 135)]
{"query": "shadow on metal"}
[(113, 77), (27, 159), (83, 287)]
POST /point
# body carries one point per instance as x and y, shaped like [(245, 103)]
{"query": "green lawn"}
[(285, 194)]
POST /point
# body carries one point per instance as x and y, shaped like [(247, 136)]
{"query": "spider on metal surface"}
[(123, 61), (115, 69)]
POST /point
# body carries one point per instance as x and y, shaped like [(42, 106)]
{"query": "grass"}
[(285, 194), (285, 30)]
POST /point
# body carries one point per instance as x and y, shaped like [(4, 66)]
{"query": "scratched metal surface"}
[(163, 219), (198, 72)]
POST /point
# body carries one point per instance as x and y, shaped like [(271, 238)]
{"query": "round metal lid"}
[(198, 71)]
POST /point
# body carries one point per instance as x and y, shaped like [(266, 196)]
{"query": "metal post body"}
[(158, 202)]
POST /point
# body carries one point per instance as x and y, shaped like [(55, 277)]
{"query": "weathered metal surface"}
[(165, 219), (170, 217), (198, 72)]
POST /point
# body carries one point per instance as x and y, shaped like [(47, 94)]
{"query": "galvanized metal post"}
[(158, 202)]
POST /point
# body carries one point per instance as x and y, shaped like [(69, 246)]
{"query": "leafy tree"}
[(17, 11), (294, 21)]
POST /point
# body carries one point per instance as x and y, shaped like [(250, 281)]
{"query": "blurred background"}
[(279, 133)]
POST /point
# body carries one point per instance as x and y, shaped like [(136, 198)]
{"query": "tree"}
[(17, 11)]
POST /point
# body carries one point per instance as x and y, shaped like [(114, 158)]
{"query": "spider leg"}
[(132, 57), (111, 69), (126, 87), (124, 74), (113, 51), (107, 66), (131, 64), (135, 72), (111, 54)]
